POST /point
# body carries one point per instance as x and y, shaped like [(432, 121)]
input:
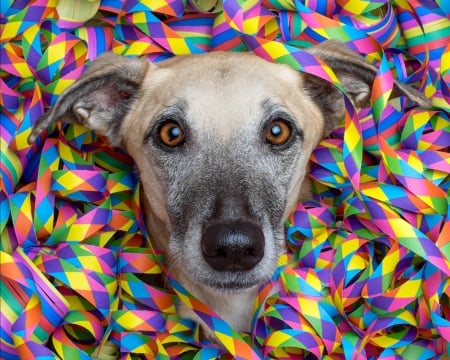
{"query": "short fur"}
[(225, 171)]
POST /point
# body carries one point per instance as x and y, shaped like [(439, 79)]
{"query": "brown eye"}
[(171, 134), (278, 132)]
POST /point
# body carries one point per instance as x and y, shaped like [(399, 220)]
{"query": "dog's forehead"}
[(231, 89), (228, 67)]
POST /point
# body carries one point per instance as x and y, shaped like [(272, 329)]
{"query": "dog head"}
[(221, 142)]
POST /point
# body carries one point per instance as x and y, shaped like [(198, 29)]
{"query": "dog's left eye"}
[(171, 134), (278, 132)]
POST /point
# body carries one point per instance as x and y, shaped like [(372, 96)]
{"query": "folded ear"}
[(100, 99), (356, 76)]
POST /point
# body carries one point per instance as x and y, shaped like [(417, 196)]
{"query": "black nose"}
[(233, 246)]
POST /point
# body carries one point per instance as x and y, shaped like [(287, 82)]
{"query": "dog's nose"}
[(233, 246)]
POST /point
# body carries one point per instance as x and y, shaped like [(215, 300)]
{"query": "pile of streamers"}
[(367, 274)]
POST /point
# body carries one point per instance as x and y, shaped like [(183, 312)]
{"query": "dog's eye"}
[(278, 132), (171, 134)]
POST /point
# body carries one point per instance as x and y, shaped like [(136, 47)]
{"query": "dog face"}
[(229, 161), (221, 142)]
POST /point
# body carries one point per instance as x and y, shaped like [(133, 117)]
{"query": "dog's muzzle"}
[(233, 246)]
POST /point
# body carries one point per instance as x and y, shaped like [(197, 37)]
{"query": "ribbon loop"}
[(367, 272)]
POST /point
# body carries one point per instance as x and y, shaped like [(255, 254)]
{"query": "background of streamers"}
[(368, 267)]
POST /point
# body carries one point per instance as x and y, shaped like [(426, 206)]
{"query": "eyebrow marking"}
[(177, 109)]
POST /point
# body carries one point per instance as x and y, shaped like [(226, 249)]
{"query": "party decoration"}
[(367, 274)]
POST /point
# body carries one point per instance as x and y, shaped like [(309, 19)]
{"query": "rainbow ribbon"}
[(367, 274)]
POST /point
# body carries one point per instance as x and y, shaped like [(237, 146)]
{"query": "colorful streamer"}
[(367, 274)]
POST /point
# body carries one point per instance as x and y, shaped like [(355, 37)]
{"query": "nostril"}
[(233, 246), (221, 252), (250, 252)]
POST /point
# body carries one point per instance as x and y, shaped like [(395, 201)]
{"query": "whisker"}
[(176, 259)]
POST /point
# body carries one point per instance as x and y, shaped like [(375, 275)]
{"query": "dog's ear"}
[(100, 98), (356, 76)]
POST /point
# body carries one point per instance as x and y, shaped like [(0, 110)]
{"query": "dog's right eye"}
[(171, 134)]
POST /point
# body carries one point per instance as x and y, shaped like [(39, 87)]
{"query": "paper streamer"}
[(367, 274)]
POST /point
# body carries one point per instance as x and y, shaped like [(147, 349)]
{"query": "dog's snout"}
[(234, 246)]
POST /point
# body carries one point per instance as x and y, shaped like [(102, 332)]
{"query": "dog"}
[(221, 142)]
